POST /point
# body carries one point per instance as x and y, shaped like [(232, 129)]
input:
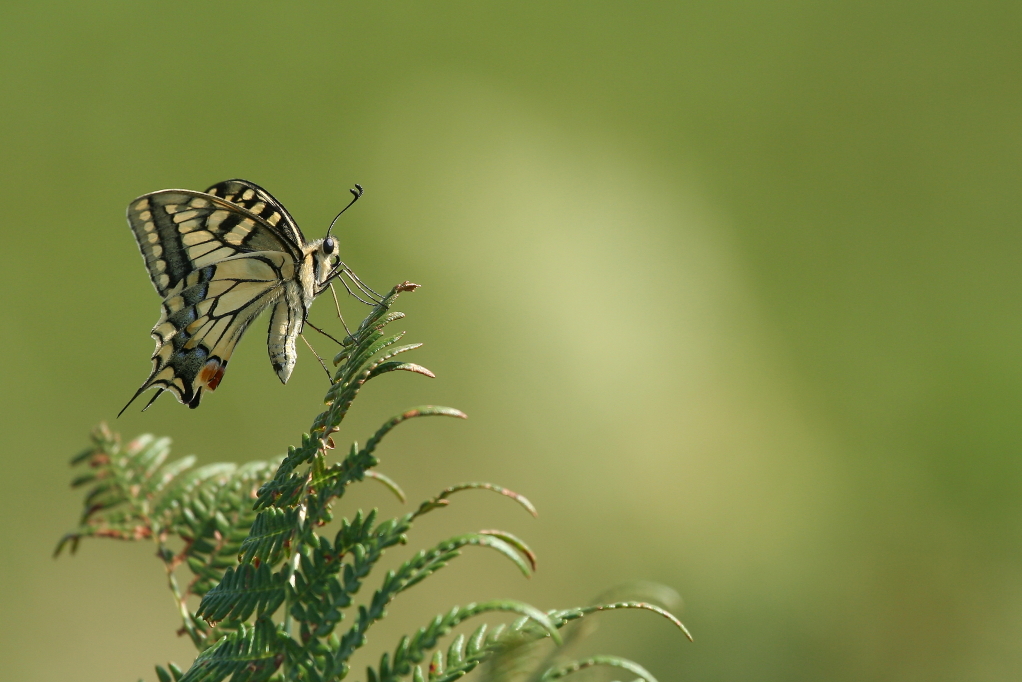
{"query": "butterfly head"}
[(327, 259), (329, 265)]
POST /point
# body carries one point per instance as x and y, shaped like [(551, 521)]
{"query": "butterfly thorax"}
[(322, 258)]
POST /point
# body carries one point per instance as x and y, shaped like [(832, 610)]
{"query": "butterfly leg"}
[(352, 293), (329, 336), (323, 364), (366, 289), (337, 306)]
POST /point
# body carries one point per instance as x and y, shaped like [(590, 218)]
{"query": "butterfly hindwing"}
[(204, 316), (180, 231)]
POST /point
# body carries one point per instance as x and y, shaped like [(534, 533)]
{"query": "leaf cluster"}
[(197, 517), (280, 599)]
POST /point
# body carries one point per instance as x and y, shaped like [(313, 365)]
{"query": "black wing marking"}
[(254, 198)]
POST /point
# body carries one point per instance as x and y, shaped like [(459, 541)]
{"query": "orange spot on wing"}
[(211, 373)]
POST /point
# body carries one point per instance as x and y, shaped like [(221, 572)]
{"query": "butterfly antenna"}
[(356, 192), (323, 364)]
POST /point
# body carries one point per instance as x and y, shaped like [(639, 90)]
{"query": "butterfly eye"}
[(329, 245)]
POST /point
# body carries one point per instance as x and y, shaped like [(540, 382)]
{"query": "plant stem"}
[(294, 562), (186, 618)]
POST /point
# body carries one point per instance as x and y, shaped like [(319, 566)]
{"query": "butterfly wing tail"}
[(142, 389), (137, 394), (185, 374)]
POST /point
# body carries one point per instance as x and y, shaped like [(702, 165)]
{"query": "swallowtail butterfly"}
[(217, 259)]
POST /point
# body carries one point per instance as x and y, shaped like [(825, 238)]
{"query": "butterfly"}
[(217, 259)]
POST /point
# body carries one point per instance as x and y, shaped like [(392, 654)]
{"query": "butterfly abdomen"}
[(285, 325)]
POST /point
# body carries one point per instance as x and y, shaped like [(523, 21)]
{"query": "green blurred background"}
[(727, 289)]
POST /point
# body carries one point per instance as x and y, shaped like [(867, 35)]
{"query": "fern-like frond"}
[(122, 485), (250, 654), (608, 661), (241, 592), (513, 655), (330, 484), (483, 646), (389, 483), (274, 589), (216, 520), (413, 650), (136, 493), (172, 673), (325, 583), (416, 569), (270, 535), (442, 499), (572, 614)]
